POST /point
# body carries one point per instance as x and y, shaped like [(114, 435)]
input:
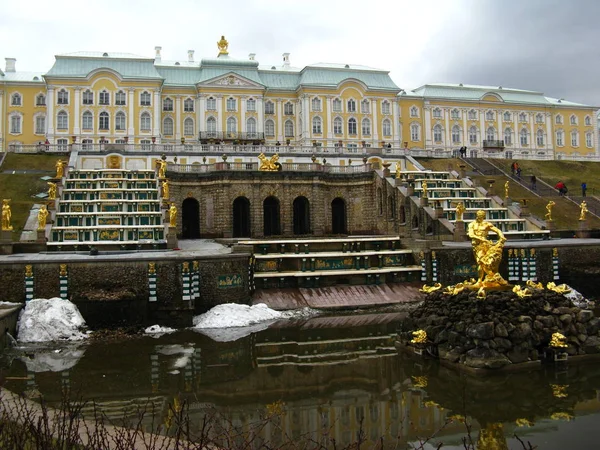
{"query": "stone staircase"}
[(110, 208)]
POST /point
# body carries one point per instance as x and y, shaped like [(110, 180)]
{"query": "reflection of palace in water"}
[(332, 377)]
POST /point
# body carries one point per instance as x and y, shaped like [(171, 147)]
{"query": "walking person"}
[(561, 188), (583, 188), (533, 181)]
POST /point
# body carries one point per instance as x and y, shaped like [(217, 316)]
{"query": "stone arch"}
[(271, 216), (338, 216), (301, 216), (190, 219), (241, 217)]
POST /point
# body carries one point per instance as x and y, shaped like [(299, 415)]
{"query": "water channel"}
[(327, 376)]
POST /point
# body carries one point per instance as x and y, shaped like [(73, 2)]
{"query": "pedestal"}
[(584, 231), (423, 201), (398, 182), (6, 245), (507, 202), (41, 235), (172, 238), (524, 211), (459, 231)]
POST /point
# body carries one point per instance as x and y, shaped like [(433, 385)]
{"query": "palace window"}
[(365, 107), (145, 122), (316, 104), (188, 127), (337, 105), (167, 104), (231, 104), (289, 128), (366, 127), (415, 132), (524, 137), (472, 114), (120, 121), (104, 98), (316, 125), (269, 128), (559, 119), (437, 113), (40, 124), (455, 114), (489, 115), (540, 138), (15, 124), (168, 126), (386, 127), (63, 97), (539, 118), (62, 120), (491, 134), (145, 99), (120, 98), (522, 117), (352, 126), (87, 144), (40, 100), (231, 125), (507, 116), (455, 134), (588, 121), (288, 109), (573, 119), (88, 97), (63, 144), (560, 138), (437, 133), (589, 140), (385, 107), (188, 105), (250, 104), (104, 119), (15, 99), (351, 105), (414, 111), (87, 121), (507, 136), (574, 138), (269, 108), (473, 135), (337, 126), (251, 127), (211, 104), (211, 125)]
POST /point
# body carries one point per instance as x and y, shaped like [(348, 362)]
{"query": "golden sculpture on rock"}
[(533, 285), (559, 289), (428, 289), (6, 215), (460, 210), (173, 215), (269, 164), (558, 341), (549, 207), (583, 210), (487, 253), (521, 293), (42, 217), (419, 337)]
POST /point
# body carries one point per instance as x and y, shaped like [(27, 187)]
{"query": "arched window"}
[(188, 126), (88, 97), (387, 127), (588, 121), (472, 114), (539, 118), (540, 138), (251, 127), (490, 134), (507, 116), (573, 119), (589, 139), (145, 122), (87, 121), (366, 127), (16, 124), (385, 107), (15, 99), (456, 134), (507, 136), (270, 128), (120, 121), (62, 120), (365, 106), (269, 107), (524, 137), (231, 125), (351, 105), (211, 126), (145, 99), (522, 117), (103, 123), (559, 119), (352, 126), (211, 104), (104, 98), (455, 114), (414, 111), (437, 133), (337, 125), (288, 109), (289, 128), (168, 126), (316, 125), (473, 135), (316, 104), (251, 105), (40, 124), (231, 104), (415, 132), (62, 97), (437, 113), (40, 100), (337, 105), (489, 115), (167, 104), (560, 138), (120, 98), (188, 105), (574, 138)]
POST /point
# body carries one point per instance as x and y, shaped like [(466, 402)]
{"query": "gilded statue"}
[(162, 168), (173, 215), (222, 46), (419, 337), (549, 207), (506, 190), (460, 209), (559, 289), (558, 340), (487, 253), (6, 215), (583, 210), (51, 191), (521, 293), (427, 289), (424, 187), (398, 170), (267, 164), (60, 168), (42, 217), (533, 285), (165, 189)]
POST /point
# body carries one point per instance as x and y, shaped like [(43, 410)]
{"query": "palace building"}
[(91, 99)]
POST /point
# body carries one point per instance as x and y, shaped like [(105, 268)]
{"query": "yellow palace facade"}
[(92, 99)]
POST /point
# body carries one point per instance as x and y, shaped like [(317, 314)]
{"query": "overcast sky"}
[(545, 45)]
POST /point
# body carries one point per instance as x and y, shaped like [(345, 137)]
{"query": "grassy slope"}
[(21, 187)]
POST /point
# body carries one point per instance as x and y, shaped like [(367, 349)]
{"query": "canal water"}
[(328, 377)]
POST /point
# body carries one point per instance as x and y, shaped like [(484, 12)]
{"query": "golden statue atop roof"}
[(222, 45)]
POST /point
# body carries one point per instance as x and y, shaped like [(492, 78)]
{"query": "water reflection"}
[(331, 377)]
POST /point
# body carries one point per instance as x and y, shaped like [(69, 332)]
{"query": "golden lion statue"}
[(271, 164)]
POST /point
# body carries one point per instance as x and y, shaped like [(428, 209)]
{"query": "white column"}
[(157, 108), (305, 120), (2, 119), (130, 113), (465, 138), (77, 100), (516, 134), (329, 121), (219, 113), (448, 137), (375, 123), (260, 126), (396, 115), (550, 134), (428, 137), (500, 125), (280, 118), (243, 115), (200, 109), (532, 135), (178, 118), (481, 127), (50, 111)]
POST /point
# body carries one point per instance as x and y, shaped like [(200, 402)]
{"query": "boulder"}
[(484, 330), (521, 332), (591, 345), (566, 318), (593, 326), (518, 355), (585, 315), (501, 330), (481, 358)]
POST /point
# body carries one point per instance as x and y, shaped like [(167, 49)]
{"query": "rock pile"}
[(503, 329)]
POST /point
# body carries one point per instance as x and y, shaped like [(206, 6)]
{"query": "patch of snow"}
[(52, 360), (184, 354), (53, 319), (233, 334), (578, 300), (9, 304), (157, 331)]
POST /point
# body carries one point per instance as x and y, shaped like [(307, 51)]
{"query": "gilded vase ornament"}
[(269, 164), (63, 270), (6, 215), (51, 191), (558, 340), (487, 253), (560, 288), (42, 217), (460, 209), (419, 337), (222, 45), (152, 268), (173, 215), (583, 210), (28, 271), (427, 289), (549, 206)]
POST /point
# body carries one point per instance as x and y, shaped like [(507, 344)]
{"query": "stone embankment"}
[(501, 330)]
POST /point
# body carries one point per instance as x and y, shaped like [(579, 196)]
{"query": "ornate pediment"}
[(232, 81)]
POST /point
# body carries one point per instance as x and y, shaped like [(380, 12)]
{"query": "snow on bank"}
[(51, 319), (231, 315), (157, 331), (578, 299)]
